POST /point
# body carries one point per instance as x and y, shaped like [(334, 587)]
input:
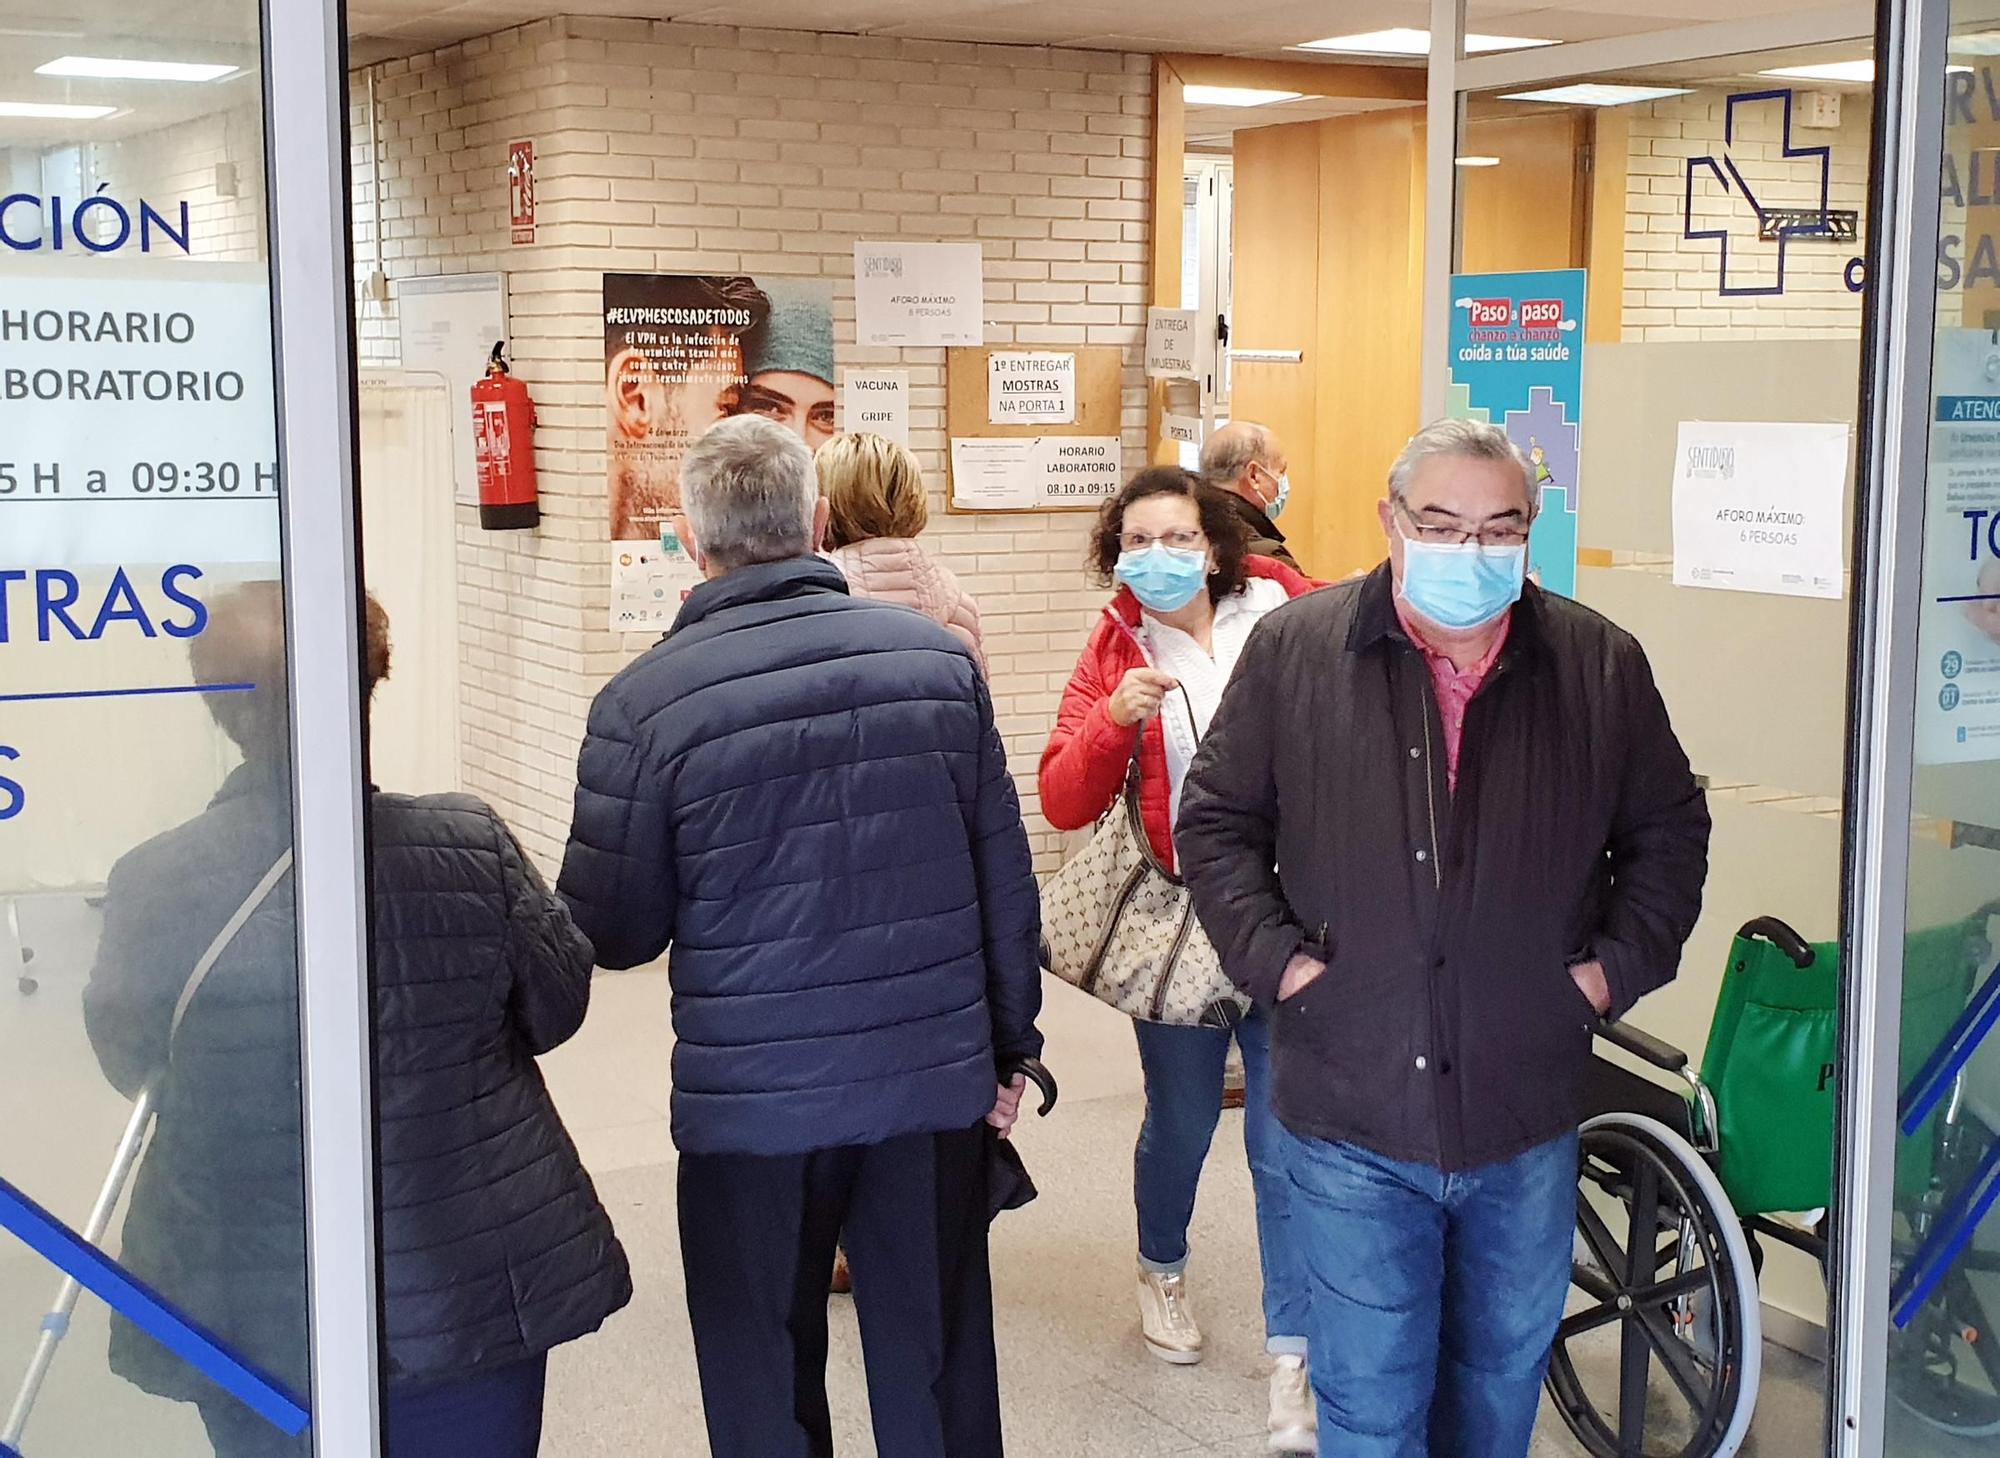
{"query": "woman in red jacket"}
[(1155, 666)]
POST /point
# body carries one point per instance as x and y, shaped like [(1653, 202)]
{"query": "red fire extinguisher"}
[(503, 433)]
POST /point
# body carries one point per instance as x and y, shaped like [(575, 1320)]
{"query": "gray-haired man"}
[(1485, 835), (804, 793)]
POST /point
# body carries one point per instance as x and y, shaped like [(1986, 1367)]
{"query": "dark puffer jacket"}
[(805, 794), (494, 1244)]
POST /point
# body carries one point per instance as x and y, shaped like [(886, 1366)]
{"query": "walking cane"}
[(55, 1326)]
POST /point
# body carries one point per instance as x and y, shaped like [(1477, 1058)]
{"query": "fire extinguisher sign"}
[(521, 189)]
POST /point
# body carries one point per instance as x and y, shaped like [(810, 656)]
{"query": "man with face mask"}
[(1440, 826), (1250, 464)]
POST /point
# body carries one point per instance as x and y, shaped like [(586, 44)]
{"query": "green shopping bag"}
[(1771, 1062)]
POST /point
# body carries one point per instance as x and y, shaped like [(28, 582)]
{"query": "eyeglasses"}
[(1506, 534), (1182, 540)]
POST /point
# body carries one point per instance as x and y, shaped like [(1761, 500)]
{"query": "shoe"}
[(842, 1283), (1294, 1410), (1166, 1320)]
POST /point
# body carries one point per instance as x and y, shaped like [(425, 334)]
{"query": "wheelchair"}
[(1681, 1184)]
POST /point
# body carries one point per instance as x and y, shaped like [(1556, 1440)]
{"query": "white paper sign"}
[(878, 401), (994, 474), (136, 419), (1175, 349), (1034, 472), (915, 294), (1958, 635), (1758, 506), (649, 582), (1031, 389), (448, 326), (1186, 429)]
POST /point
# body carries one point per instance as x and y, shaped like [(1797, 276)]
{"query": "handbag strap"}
[(259, 894)]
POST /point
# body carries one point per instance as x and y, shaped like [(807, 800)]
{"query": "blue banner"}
[(1517, 361)]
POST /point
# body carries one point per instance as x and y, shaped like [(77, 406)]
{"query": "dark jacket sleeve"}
[(548, 959), (1227, 836), (1010, 905), (128, 1003), (618, 872), (1658, 850)]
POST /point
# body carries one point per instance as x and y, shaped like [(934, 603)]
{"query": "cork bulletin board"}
[(1099, 371)]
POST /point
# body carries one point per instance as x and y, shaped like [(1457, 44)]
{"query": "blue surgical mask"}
[(1163, 578), (1276, 508), (1463, 586)]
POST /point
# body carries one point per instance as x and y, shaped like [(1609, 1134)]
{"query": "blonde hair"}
[(873, 488)]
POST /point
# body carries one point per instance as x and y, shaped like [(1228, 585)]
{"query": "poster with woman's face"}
[(682, 351)]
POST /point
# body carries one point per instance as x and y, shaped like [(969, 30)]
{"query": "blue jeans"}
[(1435, 1297), (1184, 1068)]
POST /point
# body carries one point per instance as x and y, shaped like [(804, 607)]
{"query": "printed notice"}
[(1758, 507), (1031, 389), (878, 401), (1183, 429), (919, 294), (1175, 348), (995, 475), (649, 582), (1029, 473)]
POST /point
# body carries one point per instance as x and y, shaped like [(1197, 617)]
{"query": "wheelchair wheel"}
[(1661, 1348)]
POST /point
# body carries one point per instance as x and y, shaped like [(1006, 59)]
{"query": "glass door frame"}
[(306, 134), (1897, 340)]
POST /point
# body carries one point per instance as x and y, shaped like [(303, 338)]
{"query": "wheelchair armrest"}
[(1643, 1045)]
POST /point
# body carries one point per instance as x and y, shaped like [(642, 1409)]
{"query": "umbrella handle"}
[(1032, 1070)]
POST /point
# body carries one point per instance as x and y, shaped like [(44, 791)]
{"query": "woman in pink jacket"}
[(876, 508)]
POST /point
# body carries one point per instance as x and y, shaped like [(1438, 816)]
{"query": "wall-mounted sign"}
[(682, 351), (1033, 472), (1828, 225), (521, 190), (1183, 429), (1517, 361), (1175, 346), (917, 294), (1758, 506), (447, 325), (1031, 389), (878, 401)]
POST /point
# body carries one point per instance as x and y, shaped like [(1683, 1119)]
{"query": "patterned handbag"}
[(1120, 926)]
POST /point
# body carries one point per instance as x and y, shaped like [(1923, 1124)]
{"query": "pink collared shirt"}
[(1455, 686)]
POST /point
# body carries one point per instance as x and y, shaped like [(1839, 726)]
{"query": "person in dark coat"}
[(1439, 826), (805, 795), (495, 1247), (1248, 463)]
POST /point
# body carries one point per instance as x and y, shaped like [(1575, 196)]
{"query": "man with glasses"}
[(1439, 827)]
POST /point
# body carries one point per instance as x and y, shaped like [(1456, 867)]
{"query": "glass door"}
[(185, 1190)]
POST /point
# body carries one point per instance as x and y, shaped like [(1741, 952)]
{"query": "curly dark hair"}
[(1226, 533)]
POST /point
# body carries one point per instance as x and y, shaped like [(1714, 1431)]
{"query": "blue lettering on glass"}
[(13, 794), (60, 609), (98, 224)]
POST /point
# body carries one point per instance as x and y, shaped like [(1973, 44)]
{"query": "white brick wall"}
[(665, 147), (203, 161), (1671, 283)]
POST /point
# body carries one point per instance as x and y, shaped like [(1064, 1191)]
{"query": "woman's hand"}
[(1139, 695), (1007, 1107)]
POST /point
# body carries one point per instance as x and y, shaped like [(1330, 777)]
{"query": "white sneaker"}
[(1166, 1320), (1294, 1411)]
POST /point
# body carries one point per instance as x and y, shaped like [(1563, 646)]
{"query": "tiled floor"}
[(1076, 1383)]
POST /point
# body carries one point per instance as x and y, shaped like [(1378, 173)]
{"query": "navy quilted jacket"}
[(805, 794), (494, 1244)]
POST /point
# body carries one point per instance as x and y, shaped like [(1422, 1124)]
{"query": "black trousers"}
[(757, 1239)]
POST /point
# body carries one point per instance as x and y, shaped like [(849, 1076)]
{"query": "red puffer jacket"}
[(1083, 768)]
